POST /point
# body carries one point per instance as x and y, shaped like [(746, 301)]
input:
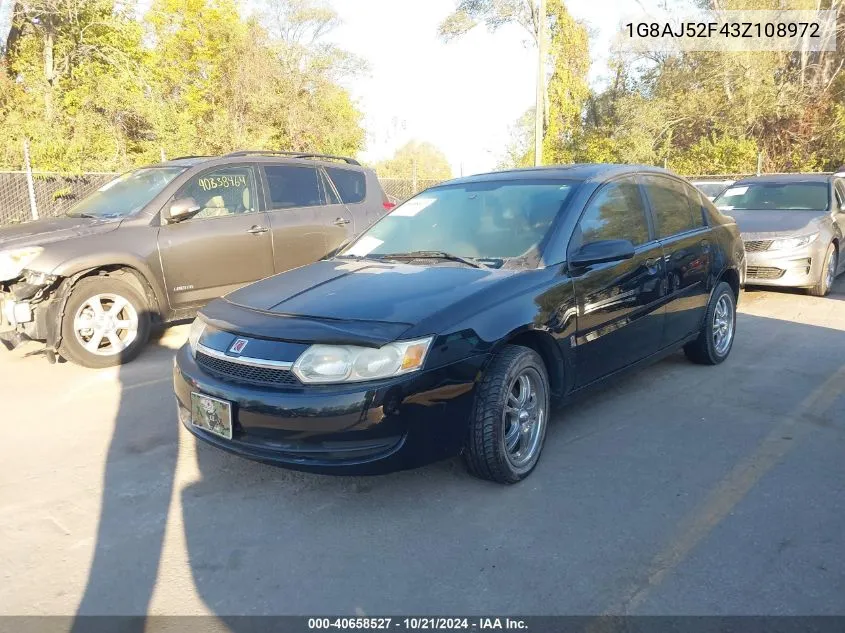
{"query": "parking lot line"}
[(725, 496)]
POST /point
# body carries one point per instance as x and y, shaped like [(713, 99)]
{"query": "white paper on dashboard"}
[(734, 191), (412, 207), (364, 246)]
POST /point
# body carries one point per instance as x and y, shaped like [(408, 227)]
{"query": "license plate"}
[(212, 414)]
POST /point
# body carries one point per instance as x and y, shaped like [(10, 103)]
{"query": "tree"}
[(414, 158), (193, 77), (566, 95), (529, 14)]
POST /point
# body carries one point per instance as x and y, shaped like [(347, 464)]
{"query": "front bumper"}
[(797, 268), (349, 429)]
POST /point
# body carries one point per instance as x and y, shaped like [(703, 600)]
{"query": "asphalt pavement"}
[(680, 489)]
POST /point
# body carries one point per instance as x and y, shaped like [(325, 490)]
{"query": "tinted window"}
[(351, 185), (616, 212), (674, 212), (222, 192), (328, 191), (840, 194), (799, 196), (488, 220), (292, 186), (697, 201)]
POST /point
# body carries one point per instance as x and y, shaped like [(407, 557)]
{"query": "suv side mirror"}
[(602, 251), (182, 209)]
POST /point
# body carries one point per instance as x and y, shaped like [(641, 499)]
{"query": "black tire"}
[(83, 293), (703, 350), (485, 453), (822, 288)]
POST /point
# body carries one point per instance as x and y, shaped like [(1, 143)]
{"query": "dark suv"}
[(157, 243)]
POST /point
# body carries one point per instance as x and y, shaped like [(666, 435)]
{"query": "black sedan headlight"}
[(351, 363)]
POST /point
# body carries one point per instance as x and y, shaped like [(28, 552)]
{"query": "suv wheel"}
[(106, 323), (717, 337), (509, 421)]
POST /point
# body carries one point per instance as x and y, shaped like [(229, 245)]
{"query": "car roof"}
[(580, 171), (256, 157), (785, 178)]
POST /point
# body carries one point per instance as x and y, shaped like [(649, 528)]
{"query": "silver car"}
[(792, 226)]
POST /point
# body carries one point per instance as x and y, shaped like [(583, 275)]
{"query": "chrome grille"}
[(251, 374), (755, 246), (764, 272)]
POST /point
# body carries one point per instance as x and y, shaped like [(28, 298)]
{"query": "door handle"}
[(256, 230), (341, 222)]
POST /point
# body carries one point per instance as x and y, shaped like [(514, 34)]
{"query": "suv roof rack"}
[(184, 157), (250, 152)]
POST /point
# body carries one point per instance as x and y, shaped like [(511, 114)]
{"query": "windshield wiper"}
[(431, 255)]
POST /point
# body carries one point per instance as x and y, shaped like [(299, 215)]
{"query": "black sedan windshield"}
[(476, 221), (126, 194), (782, 196)]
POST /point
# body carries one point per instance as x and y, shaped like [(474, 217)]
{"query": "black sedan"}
[(454, 323)]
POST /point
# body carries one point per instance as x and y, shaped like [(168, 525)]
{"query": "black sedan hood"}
[(348, 301)]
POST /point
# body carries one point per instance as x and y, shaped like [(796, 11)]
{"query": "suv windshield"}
[(797, 196), (126, 194), (492, 221)]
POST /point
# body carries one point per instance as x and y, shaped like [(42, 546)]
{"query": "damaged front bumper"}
[(25, 312)]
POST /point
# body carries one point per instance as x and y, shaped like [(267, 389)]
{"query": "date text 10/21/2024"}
[(418, 623)]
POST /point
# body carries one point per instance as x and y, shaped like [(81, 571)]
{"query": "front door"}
[(306, 225), (679, 222), (619, 304), (221, 248)]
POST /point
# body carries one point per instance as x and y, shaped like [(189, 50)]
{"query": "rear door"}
[(305, 223), (619, 304), (360, 191), (679, 221), (224, 246)]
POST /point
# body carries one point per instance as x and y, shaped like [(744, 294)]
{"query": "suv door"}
[(306, 224), (619, 304), (365, 203), (679, 221), (223, 246)]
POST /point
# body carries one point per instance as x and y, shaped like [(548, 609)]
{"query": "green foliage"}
[(424, 159), (701, 112), (94, 88), (722, 155)]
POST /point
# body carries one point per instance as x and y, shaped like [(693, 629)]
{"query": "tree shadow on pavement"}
[(620, 471)]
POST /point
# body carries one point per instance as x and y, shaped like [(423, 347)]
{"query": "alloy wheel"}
[(524, 417), (723, 325), (106, 324)]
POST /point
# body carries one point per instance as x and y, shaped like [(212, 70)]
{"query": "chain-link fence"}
[(53, 193), (400, 189)]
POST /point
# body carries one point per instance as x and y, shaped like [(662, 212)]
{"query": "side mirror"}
[(602, 251), (182, 209)]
